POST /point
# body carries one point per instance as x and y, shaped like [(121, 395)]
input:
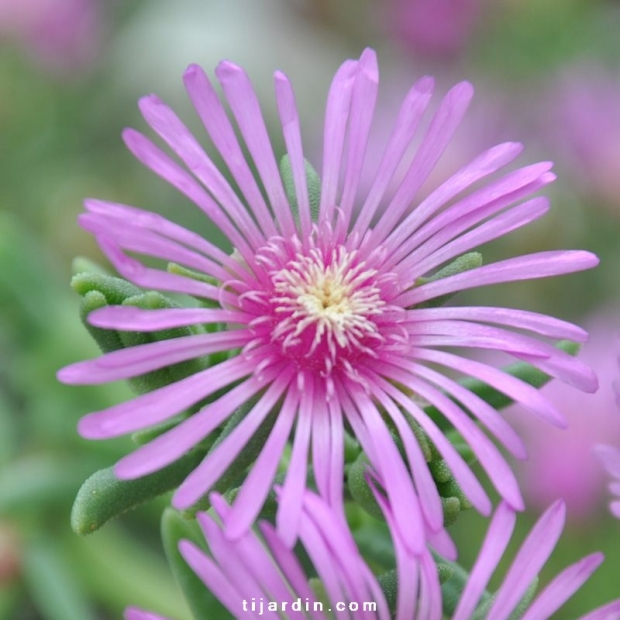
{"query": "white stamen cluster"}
[(337, 297)]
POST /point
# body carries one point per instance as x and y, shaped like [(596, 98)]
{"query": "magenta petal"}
[(495, 542), (528, 267), (246, 109), (133, 613), (563, 587), (529, 560)]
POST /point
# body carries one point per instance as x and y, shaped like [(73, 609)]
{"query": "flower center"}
[(326, 304)]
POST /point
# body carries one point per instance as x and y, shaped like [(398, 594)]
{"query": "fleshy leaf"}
[(103, 496), (174, 528)]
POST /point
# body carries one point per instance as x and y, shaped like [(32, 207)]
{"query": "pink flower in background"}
[(322, 306), (524, 570), (584, 122), (561, 463), (62, 35), (262, 573), (248, 571), (432, 27), (610, 458)]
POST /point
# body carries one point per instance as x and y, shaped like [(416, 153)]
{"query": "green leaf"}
[(360, 489), (103, 496), (313, 184), (468, 261), (51, 585), (174, 528)]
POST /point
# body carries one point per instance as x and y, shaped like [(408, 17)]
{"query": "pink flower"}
[(249, 576), (610, 458), (524, 570), (63, 35), (326, 308), (433, 27), (561, 463), (584, 122)]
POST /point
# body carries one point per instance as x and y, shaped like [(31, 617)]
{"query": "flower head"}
[(260, 575), (324, 305)]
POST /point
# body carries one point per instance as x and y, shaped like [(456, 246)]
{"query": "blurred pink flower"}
[(62, 35), (561, 463), (584, 123), (267, 575), (432, 27), (610, 458)]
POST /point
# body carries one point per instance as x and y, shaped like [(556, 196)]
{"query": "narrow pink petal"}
[(160, 405), (334, 492), (220, 129), (492, 550), (466, 334), (170, 446), (133, 613), (259, 480), (489, 456), (611, 611), (170, 128), (336, 119), (563, 587), (363, 99), (323, 561), (430, 501), (138, 239), (289, 565), (289, 118), (322, 445), (442, 543), (407, 564), (430, 604), (514, 388), (216, 462), (528, 267), (393, 473), (547, 358), (222, 587), (521, 319), (461, 471), (289, 511), (529, 560), (498, 226), (406, 123), (492, 419), (155, 159), (131, 318), (229, 562), (416, 228), (143, 358), (145, 277), (345, 557), (259, 562), (155, 223), (245, 107), (442, 127)]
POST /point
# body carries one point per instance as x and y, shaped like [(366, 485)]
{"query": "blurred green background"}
[(546, 72)]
